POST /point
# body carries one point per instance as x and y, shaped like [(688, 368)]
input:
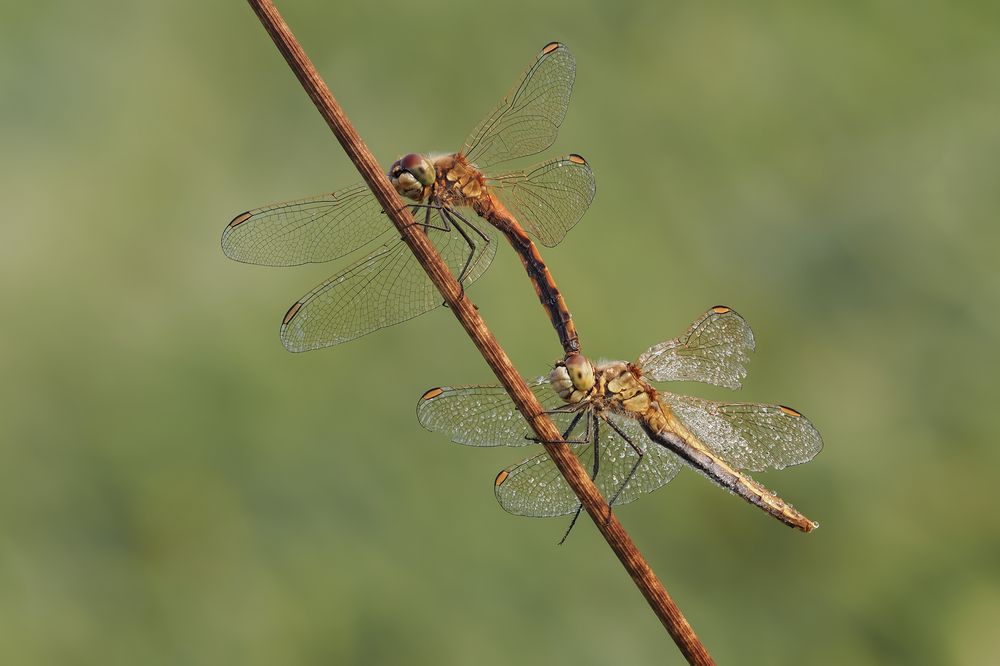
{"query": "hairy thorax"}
[(623, 390), (614, 386), (458, 182)]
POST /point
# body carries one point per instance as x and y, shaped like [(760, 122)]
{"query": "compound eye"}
[(410, 161), (560, 382), (581, 372), (424, 172), (411, 174)]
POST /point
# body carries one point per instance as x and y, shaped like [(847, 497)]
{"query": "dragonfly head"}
[(572, 378), (411, 175)]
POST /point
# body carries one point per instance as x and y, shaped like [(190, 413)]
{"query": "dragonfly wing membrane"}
[(548, 199), (527, 120), (384, 288), (658, 467), (535, 487), (714, 350), (311, 230), (485, 415), (749, 436)]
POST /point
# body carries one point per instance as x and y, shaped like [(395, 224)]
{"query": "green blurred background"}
[(175, 488)]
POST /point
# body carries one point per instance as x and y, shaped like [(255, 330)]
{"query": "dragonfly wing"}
[(526, 121), (384, 288), (749, 436), (535, 487), (658, 467), (548, 199), (714, 350), (310, 230), (485, 415)]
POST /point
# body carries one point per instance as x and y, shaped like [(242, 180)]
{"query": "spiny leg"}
[(564, 409), (565, 440), (472, 226), (446, 214), (593, 475), (639, 453), (447, 225), (427, 217), (426, 224)]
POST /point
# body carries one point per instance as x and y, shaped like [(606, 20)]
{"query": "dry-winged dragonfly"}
[(388, 286)]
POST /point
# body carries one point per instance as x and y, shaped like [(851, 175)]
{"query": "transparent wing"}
[(748, 436), (310, 230), (714, 350), (548, 199), (485, 415), (535, 487), (526, 121), (384, 288)]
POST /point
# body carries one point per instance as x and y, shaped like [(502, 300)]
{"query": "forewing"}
[(485, 415), (310, 230), (714, 350), (526, 121), (384, 288), (535, 487), (548, 199), (748, 436)]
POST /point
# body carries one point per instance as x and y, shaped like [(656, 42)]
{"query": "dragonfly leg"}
[(582, 440), (446, 214), (593, 475), (426, 224), (638, 452), (563, 409), (472, 226), (571, 524), (486, 239), (446, 226), (597, 447)]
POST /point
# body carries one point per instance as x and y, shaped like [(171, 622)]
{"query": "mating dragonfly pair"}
[(631, 437)]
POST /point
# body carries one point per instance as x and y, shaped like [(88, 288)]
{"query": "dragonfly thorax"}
[(412, 175), (623, 389), (460, 183)]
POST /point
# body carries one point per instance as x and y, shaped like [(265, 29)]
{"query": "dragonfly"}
[(445, 192), (631, 437)]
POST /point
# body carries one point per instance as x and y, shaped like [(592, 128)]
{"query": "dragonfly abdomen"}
[(493, 211), (664, 429)]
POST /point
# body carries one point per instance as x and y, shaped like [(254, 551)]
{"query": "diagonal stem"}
[(607, 523)]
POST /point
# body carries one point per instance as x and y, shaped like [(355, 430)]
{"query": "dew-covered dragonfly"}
[(632, 437)]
